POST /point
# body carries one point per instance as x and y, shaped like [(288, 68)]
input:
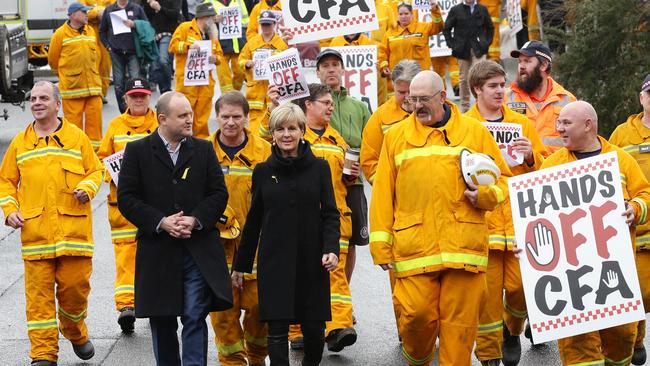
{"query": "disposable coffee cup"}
[(351, 157)]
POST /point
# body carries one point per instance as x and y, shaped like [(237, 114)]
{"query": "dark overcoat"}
[(152, 187), (294, 209), (470, 31)]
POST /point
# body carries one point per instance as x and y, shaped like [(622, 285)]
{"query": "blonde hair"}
[(287, 113)]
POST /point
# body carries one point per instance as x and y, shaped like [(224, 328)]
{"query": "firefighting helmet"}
[(478, 169), (228, 225)]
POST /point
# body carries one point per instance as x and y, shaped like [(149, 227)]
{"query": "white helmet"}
[(478, 169)]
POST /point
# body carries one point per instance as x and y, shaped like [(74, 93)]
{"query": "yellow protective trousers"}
[(231, 75), (503, 273), (70, 277), (441, 304), (494, 9), (234, 344), (124, 274), (611, 346), (255, 117), (382, 89), (105, 67), (643, 270), (202, 106), (74, 110), (442, 65)]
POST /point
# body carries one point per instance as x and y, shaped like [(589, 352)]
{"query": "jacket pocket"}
[(74, 173), (35, 229), (75, 222), (408, 234), (73, 80)]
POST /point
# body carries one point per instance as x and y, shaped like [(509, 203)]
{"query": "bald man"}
[(577, 126), (430, 228)]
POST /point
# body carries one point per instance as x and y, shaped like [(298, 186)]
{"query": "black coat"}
[(150, 188), (471, 31), (293, 207)]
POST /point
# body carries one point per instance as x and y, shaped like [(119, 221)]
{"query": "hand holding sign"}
[(628, 214), (523, 145), (543, 252)]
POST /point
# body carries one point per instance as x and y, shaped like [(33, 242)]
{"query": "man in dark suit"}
[(472, 34), (172, 188)]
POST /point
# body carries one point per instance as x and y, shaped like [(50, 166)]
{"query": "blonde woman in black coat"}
[(295, 223)]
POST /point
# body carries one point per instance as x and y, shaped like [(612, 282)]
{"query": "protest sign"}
[(505, 135), (360, 78), (421, 5), (260, 71), (513, 12), (313, 20), (117, 22), (113, 164), (437, 43), (578, 259), (197, 67), (285, 71), (230, 27)]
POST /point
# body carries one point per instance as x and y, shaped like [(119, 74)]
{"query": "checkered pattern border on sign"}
[(562, 174), (502, 128), (333, 24), (586, 316)]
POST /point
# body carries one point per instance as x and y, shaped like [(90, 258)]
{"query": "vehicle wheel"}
[(5, 56)]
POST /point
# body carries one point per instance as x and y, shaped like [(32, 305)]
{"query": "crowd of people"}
[(256, 224)]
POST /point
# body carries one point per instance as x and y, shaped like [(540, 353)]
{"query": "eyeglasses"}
[(422, 99), (326, 103)]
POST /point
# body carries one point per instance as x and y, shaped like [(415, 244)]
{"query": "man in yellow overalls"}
[(231, 74)]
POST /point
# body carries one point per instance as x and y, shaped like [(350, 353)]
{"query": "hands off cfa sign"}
[(578, 258)]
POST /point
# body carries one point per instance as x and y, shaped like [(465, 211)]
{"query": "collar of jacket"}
[(452, 132), (80, 30), (329, 134), (605, 147), (637, 123), (246, 155), (158, 143), (139, 123), (66, 136), (305, 157), (195, 27), (341, 94)]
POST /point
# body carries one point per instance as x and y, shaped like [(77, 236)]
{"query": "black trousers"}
[(314, 336)]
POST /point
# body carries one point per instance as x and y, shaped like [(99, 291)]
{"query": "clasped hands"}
[(178, 225)]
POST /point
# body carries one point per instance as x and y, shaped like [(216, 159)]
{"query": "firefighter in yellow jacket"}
[(238, 150), (200, 28), (430, 228), (94, 18), (48, 176), (270, 43), (138, 121), (577, 124), (75, 55), (231, 75), (275, 6), (633, 136), (487, 80)]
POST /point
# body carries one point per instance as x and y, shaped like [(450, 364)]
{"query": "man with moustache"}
[(536, 94), (430, 228)]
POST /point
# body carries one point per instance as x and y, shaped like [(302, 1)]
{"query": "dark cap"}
[(328, 52), (205, 10), (137, 85), (533, 48), (74, 7), (267, 17), (646, 84)]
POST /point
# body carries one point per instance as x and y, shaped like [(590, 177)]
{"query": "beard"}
[(531, 82)]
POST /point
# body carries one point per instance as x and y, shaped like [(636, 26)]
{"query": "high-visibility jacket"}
[(363, 40), (633, 137), (420, 220), (636, 189), (331, 147), (544, 112), (238, 174), (75, 56), (530, 7), (38, 177), (502, 231), (218, 5), (253, 23), (185, 35), (411, 42), (387, 19), (384, 118), (122, 129)]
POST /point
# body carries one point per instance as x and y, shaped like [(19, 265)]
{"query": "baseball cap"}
[(74, 7), (205, 10), (533, 48), (267, 17), (137, 85), (646, 84), (328, 52)]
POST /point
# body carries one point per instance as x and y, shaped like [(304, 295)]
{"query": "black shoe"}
[(639, 356), (456, 90), (126, 319), (104, 100), (340, 338), (84, 351), (511, 348), (495, 362), (43, 363), (528, 333), (297, 343)]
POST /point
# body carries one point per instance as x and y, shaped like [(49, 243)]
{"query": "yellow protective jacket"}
[(122, 129), (256, 90), (38, 177), (253, 24), (185, 35), (633, 137), (502, 231), (636, 189), (420, 220), (385, 117), (331, 147), (543, 113), (238, 174), (75, 57), (340, 41), (411, 42), (530, 7), (387, 20)]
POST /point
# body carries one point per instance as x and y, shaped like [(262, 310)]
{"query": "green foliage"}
[(607, 56)]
